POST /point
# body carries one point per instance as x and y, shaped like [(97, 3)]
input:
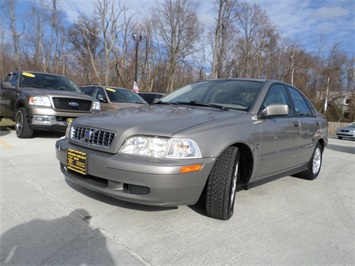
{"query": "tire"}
[(23, 130), (314, 164), (222, 185), (340, 137)]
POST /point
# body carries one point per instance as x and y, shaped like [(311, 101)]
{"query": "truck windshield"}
[(47, 81)]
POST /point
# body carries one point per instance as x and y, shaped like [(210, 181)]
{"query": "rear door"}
[(309, 124)]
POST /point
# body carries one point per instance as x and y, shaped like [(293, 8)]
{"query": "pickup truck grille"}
[(92, 136), (71, 104)]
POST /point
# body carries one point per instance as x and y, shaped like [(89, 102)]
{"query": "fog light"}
[(43, 119)]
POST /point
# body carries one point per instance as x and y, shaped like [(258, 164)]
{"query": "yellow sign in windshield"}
[(27, 74), (109, 89)]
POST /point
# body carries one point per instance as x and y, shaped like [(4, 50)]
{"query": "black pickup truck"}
[(42, 101)]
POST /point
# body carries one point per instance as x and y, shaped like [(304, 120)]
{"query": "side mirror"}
[(274, 110), (7, 85), (101, 98)]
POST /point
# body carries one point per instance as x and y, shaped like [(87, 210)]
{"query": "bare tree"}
[(109, 17), (178, 27), (35, 38), (223, 32), (2, 44), (121, 51), (57, 39), (150, 57), (257, 39), (8, 7), (83, 36)]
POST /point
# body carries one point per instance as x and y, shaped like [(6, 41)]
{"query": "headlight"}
[(96, 105), (158, 147), (68, 130), (39, 100)]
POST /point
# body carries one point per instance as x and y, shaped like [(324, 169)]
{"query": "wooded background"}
[(176, 48)]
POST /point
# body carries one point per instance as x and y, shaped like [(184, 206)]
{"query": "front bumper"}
[(344, 134), (49, 122), (146, 181), (47, 118)]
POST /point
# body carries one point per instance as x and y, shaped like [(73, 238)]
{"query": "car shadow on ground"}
[(5, 130), (340, 148), (55, 242), (115, 202), (49, 134)]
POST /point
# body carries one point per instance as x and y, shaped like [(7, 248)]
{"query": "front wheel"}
[(222, 185), (23, 129), (314, 164)]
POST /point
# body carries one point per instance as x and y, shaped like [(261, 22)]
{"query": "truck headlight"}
[(39, 101), (159, 147)]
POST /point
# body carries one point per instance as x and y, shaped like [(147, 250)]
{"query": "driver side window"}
[(12, 78), (277, 94), (100, 94)]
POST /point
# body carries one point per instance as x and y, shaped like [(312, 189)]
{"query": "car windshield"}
[(352, 125), (231, 94), (47, 81), (119, 95)]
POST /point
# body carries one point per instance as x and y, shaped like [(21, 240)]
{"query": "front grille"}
[(93, 136), (71, 104)]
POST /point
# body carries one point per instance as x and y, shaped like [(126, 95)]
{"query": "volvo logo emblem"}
[(88, 134), (73, 104)]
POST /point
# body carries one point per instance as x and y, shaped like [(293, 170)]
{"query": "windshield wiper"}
[(197, 103), (161, 102)]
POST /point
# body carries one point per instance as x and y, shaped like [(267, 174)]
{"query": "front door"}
[(279, 146)]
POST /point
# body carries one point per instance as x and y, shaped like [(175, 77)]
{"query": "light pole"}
[(137, 38)]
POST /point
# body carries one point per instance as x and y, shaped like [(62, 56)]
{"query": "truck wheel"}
[(222, 185), (23, 130)]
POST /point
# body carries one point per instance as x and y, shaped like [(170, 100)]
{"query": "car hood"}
[(159, 120), (119, 105), (55, 93), (346, 128)]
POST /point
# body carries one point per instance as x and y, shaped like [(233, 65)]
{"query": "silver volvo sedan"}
[(205, 141)]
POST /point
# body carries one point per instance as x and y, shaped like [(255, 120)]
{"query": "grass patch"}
[(7, 123)]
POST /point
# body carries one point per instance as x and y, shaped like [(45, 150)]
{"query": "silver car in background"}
[(204, 141), (346, 132)]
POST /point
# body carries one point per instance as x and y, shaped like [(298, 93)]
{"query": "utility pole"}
[(326, 97), (136, 38), (292, 64)]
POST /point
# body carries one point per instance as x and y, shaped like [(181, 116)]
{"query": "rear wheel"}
[(23, 130), (222, 185), (314, 164)]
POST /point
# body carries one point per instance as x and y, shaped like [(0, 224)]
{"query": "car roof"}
[(103, 86), (37, 72)]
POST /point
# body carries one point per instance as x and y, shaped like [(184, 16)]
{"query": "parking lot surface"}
[(289, 221)]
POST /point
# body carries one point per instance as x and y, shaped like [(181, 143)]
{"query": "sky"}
[(308, 23)]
